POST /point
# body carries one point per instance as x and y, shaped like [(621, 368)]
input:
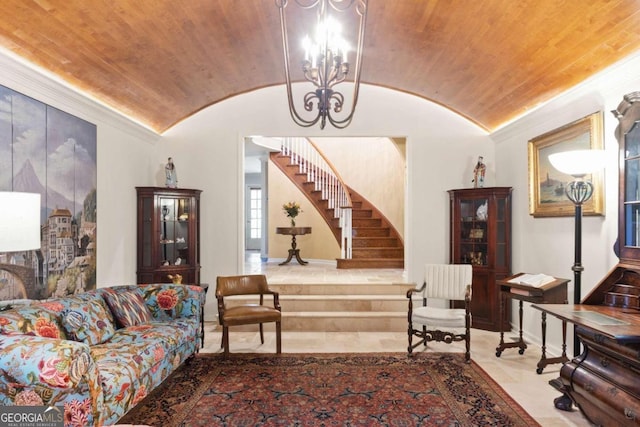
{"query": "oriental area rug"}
[(367, 389)]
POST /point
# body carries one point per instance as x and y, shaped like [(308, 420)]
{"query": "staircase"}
[(338, 307), (375, 242)]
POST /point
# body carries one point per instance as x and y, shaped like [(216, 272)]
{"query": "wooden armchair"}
[(450, 282), (247, 314)]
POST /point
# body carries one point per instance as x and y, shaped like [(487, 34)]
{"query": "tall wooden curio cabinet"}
[(168, 234), (481, 236)]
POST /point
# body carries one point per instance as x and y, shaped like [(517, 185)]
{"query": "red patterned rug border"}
[(182, 409)]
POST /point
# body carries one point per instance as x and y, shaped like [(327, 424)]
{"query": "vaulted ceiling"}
[(160, 61)]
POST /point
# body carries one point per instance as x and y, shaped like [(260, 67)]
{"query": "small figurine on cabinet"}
[(482, 212), (178, 261), (478, 173), (170, 174), (176, 278), (476, 258)]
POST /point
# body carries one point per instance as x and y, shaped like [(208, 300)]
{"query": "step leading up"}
[(338, 307)]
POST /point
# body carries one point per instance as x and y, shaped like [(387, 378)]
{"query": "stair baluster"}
[(310, 161), (373, 242)]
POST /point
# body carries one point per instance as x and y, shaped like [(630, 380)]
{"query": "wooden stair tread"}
[(367, 222), (344, 314)]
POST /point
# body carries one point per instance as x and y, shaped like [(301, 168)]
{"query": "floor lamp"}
[(578, 164)]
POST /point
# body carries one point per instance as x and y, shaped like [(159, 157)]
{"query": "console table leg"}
[(520, 319), (543, 358), (291, 251), (300, 260)]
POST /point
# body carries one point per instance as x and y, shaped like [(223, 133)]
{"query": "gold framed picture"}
[(546, 184)]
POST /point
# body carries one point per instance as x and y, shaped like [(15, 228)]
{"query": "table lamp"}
[(19, 221)]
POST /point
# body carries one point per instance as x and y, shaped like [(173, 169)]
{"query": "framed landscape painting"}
[(546, 184), (50, 152)]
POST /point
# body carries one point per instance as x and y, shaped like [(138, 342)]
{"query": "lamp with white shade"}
[(579, 164), (19, 221)]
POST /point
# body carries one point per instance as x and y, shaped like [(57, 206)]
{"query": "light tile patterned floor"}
[(319, 272), (514, 372)]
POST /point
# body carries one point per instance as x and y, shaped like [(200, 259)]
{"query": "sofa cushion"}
[(168, 303), (87, 320), (128, 308), (31, 320)]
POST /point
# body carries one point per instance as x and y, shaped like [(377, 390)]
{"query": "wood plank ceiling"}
[(161, 61)]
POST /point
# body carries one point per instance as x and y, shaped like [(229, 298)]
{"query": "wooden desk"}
[(293, 232), (604, 380), (552, 293)]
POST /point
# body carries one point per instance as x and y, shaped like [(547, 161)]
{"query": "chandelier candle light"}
[(325, 63), (292, 209)]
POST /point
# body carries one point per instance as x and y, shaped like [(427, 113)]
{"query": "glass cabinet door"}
[(174, 231), (502, 229), (473, 231), (632, 187), (146, 234)]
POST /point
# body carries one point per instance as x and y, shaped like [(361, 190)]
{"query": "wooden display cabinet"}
[(168, 234), (481, 236)]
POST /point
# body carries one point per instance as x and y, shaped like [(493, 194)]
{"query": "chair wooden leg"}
[(225, 340), (261, 334), (278, 338), (467, 341)]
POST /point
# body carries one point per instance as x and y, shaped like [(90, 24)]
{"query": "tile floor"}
[(514, 372)]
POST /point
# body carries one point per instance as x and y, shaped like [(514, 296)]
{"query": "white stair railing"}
[(319, 170)]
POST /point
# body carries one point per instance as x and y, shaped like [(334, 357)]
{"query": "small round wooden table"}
[(293, 232)]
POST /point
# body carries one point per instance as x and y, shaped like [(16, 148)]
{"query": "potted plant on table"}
[(292, 209)]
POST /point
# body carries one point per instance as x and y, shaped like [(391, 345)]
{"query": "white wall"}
[(320, 245), (124, 161), (547, 244), (374, 168), (441, 151)]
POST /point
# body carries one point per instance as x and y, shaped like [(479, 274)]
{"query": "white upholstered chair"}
[(450, 282)]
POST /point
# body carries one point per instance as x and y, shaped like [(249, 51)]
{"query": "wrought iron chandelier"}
[(325, 62)]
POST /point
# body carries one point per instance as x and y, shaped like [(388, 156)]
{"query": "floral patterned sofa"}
[(97, 353)]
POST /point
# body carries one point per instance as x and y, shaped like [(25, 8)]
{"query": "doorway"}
[(253, 214), (358, 158)]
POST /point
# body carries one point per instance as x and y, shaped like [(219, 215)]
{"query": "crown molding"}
[(33, 81)]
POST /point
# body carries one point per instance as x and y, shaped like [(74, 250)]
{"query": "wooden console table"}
[(552, 293), (293, 232)]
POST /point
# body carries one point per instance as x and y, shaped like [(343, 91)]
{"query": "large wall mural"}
[(47, 151)]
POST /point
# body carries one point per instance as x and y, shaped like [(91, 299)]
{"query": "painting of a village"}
[(47, 151)]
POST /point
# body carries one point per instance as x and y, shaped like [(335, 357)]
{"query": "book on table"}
[(535, 280)]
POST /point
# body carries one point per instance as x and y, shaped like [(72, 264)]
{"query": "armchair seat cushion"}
[(442, 317), (250, 314)]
